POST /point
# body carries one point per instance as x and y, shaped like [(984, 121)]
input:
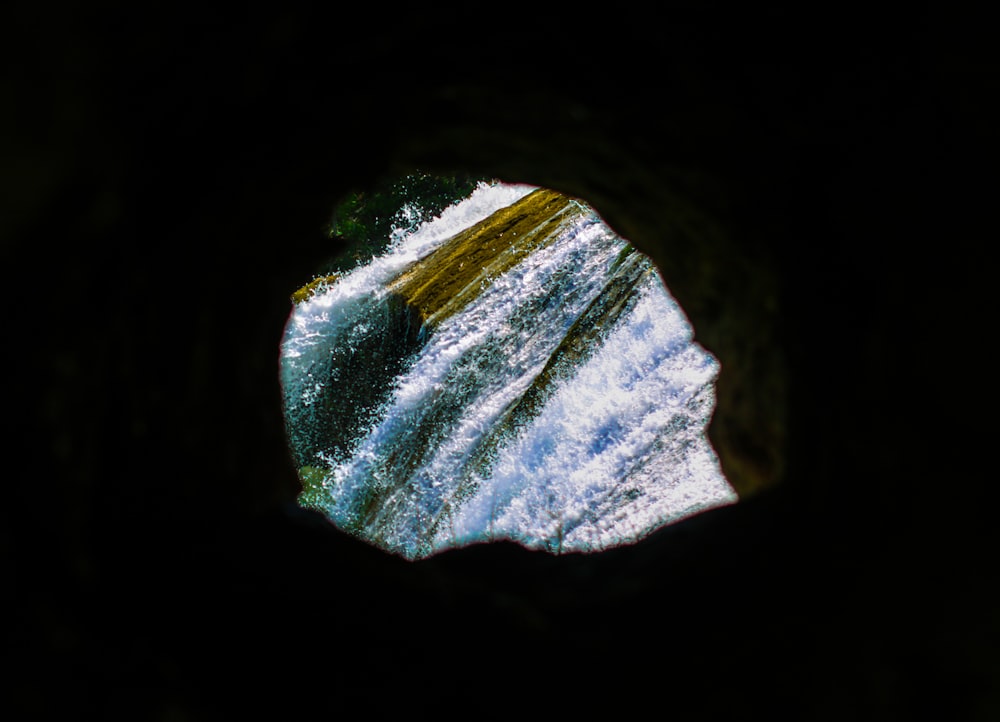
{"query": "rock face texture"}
[(812, 201)]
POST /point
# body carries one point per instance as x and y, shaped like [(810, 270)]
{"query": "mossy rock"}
[(313, 492), (315, 286)]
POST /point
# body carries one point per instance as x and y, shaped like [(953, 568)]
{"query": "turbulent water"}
[(512, 370)]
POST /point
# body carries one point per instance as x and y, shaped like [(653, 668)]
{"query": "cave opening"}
[(491, 361)]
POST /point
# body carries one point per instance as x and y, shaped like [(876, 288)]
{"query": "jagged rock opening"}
[(168, 185), (544, 388)]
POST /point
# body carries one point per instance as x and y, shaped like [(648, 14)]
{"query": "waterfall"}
[(512, 369)]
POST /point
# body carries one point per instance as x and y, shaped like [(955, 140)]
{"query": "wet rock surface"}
[(783, 184)]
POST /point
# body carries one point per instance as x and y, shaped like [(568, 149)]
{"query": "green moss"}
[(313, 495)]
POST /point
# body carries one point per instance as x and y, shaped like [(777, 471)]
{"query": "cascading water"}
[(511, 369)]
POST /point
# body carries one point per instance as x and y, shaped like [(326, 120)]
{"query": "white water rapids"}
[(510, 418)]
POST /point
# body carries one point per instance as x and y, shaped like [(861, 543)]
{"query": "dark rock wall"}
[(808, 183)]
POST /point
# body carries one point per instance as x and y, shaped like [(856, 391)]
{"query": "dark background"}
[(818, 189)]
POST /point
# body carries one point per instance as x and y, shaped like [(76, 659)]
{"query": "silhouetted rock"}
[(807, 186)]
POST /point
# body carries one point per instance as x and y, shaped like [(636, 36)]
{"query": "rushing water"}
[(511, 369)]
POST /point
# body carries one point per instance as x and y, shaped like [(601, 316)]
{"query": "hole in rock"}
[(493, 362)]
